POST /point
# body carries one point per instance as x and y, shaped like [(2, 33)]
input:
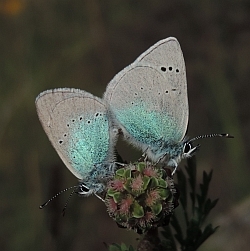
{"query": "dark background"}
[(46, 44)]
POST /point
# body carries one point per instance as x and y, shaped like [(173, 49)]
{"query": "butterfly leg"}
[(175, 167), (119, 164), (144, 156), (161, 158), (99, 197)]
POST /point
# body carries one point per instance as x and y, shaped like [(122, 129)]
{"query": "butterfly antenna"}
[(213, 135), (66, 189), (67, 202)]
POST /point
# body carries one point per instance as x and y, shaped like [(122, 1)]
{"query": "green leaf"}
[(114, 247), (117, 197), (127, 185), (209, 205), (120, 172), (182, 185), (124, 247), (156, 208), (137, 210), (111, 192), (168, 243), (141, 166), (177, 227), (153, 182), (164, 193), (146, 181), (162, 183), (208, 231), (127, 173), (191, 171)]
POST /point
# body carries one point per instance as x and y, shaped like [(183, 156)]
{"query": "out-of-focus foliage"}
[(196, 205), (46, 44)]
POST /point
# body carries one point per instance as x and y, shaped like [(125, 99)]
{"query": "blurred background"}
[(46, 44)]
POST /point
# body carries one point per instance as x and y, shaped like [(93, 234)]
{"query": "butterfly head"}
[(188, 149), (174, 153), (179, 151)]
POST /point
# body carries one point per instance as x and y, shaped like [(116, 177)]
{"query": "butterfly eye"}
[(83, 189), (187, 148)]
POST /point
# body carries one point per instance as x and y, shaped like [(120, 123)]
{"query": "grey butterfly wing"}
[(78, 127), (149, 97)]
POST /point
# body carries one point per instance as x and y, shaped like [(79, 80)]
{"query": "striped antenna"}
[(213, 135), (64, 190)]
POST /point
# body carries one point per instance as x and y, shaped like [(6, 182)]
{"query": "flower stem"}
[(150, 241)]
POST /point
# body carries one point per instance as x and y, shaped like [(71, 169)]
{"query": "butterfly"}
[(78, 126), (149, 103)]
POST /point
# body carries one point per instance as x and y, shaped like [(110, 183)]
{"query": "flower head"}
[(141, 196)]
